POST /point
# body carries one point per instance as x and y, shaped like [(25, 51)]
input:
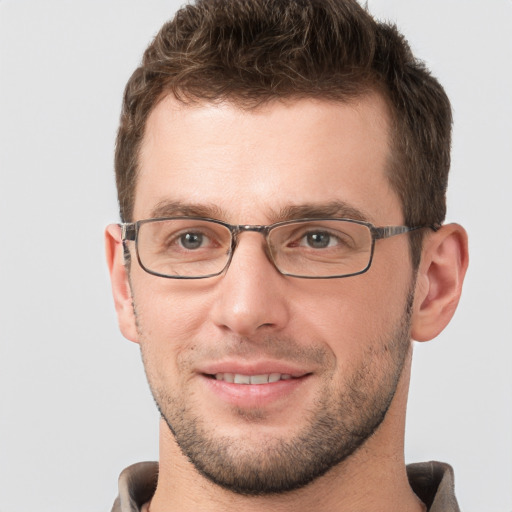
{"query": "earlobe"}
[(439, 281), (120, 283)]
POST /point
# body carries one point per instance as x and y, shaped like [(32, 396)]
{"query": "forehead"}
[(248, 164)]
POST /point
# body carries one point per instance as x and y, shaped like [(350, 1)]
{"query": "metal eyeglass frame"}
[(130, 230)]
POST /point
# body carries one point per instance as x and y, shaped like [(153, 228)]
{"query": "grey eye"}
[(318, 240), (191, 240)]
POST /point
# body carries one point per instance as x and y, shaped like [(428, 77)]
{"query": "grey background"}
[(74, 405)]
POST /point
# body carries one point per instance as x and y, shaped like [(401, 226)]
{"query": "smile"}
[(265, 378), (254, 386)]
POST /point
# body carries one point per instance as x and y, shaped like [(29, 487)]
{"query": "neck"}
[(373, 479)]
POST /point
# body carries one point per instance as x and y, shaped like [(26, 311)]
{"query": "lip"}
[(251, 396), (253, 368)]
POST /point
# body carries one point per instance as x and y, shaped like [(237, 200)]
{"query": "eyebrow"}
[(331, 209), (180, 209)]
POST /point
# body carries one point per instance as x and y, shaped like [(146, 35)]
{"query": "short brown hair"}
[(253, 51)]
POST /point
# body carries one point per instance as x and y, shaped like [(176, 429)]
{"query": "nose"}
[(251, 294)]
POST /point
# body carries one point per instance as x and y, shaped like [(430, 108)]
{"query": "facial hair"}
[(336, 425)]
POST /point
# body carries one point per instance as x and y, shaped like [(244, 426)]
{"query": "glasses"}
[(197, 248)]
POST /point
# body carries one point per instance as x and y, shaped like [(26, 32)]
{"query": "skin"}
[(350, 337)]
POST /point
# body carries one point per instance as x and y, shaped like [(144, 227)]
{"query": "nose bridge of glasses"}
[(254, 228)]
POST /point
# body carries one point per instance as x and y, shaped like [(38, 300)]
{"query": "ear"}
[(439, 281), (120, 282)]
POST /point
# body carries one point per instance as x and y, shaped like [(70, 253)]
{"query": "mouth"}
[(254, 388), (255, 384), (264, 378)]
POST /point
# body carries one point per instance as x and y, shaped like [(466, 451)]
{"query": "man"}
[(281, 170)]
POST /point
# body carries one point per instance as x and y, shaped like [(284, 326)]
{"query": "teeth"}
[(259, 379), (265, 378), (242, 379)]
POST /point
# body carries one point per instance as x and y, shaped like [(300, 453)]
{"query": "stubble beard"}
[(336, 426)]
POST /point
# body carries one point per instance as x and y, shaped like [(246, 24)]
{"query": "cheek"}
[(168, 327), (170, 313), (351, 315)]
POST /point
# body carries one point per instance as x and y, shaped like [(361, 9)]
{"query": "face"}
[(329, 352)]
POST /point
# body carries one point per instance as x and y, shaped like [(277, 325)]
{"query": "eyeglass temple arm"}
[(388, 231), (127, 231)]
